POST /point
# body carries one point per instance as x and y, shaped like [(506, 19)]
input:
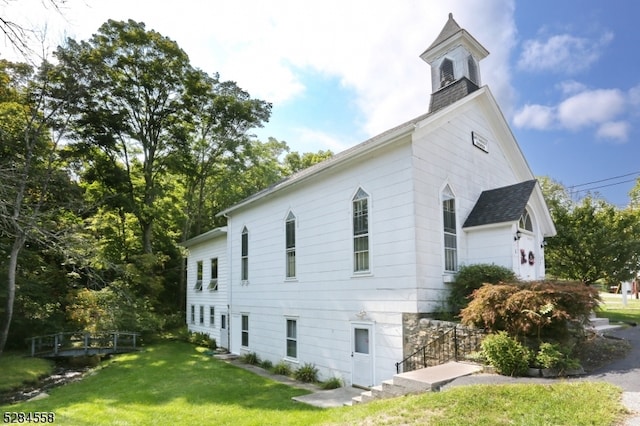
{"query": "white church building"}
[(327, 265)]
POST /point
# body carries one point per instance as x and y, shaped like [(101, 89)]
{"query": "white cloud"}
[(634, 95), (313, 140), (563, 53), (372, 47), (570, 87), (590, 107), (537, 117), (614, 130)]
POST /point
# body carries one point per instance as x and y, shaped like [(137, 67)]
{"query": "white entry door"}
[(224, 331), (362, 355)]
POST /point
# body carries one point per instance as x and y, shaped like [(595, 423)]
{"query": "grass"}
[(176, 383), (17, 370), (613, 308)]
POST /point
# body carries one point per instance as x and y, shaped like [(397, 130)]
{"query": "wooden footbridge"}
[(83, 344)]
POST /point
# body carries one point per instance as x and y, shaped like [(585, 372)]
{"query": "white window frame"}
[(212, 316), (199, 272), (361, 232), (193, 314), (201, 315), (244, 330), (290, 246), (291, 338), (450, 233), (213, 280), (525, 223), (244, 255)]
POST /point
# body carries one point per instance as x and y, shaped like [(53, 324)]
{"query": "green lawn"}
[(176, 383), (16, 369), (612, 307)]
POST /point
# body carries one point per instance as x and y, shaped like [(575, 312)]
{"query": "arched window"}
[(290, 245), (446, 72), (244, 274), (525, 221), (473, 69), (449, 230), (361, 231)]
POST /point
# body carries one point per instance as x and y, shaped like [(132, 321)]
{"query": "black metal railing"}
[(453, 344)]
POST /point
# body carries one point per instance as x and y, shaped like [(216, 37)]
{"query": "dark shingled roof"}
[(451, 93), (501, 205)]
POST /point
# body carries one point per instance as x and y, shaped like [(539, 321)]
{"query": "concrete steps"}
[(418, 381), (600, 325)]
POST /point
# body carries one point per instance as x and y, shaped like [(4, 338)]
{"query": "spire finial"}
[(450, 15)]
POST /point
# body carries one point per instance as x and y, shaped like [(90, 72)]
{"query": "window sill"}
[(362, 274), (291, 360), (291, 280)]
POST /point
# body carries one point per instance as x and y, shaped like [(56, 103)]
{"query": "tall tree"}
[(595, 241), (32, 180), (131, 85)]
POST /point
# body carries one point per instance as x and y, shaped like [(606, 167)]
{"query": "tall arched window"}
[(244, 274), (446, 72), (290, 245), (361, 231), (449, 230)]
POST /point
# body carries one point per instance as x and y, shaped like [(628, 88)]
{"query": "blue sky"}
[(340, 71)]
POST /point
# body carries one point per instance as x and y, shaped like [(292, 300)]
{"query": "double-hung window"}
[(244, 274), (193, 314), (450, 233), (245, 331), (292, 338), (201, 315), (213, 281), (198, 285), (361, 231), (212, 316), (290, 245)]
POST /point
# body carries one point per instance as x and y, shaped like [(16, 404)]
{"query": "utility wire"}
[(605, 180)]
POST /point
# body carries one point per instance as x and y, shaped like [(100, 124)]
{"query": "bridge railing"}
[(83, 342)]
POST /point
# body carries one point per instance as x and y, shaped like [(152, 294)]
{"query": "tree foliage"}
[(595, 240), (531, 309)]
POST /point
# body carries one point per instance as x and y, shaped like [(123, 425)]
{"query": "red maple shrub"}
[(531, 309)]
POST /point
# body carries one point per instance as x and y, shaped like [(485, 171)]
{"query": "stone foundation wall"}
[(418, 330)]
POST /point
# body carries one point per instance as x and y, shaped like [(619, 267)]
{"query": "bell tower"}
[(453, 57)]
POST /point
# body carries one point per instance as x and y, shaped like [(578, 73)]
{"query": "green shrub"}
[(266, 364), (531, 309), (251, 358), (332, 383), (556, 357), (202, 339), (472, 277), (506, 354), (282, 368), (307, 373)]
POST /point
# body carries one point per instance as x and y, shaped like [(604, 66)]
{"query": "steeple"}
[(453, 56)]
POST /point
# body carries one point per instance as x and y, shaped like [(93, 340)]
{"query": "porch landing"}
[(417, 381)]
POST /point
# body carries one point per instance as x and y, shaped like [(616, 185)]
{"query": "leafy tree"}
[(295, 162), (35, 188), (595, 241), (130, 105)]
